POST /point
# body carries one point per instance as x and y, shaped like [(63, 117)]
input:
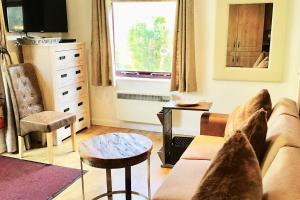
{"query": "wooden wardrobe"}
[(245, 34)]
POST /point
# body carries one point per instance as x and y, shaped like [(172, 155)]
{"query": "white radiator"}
[(139, 107)]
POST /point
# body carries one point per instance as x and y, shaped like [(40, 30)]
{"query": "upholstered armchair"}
[(29, 110)]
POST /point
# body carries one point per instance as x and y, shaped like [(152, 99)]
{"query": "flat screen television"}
[(35, 15)]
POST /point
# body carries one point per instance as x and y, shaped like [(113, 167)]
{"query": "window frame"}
[(138, 74)]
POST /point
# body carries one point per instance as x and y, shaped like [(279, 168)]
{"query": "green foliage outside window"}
[(15, 18), (150, 46)]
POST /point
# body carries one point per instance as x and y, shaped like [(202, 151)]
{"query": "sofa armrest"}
[(213, 124)]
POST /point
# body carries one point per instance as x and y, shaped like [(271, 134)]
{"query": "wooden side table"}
[(116, 150), (166, 120)]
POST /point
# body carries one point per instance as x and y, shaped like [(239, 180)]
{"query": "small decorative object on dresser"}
[(62, 75)]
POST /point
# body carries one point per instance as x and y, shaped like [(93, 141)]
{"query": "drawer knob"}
[(80, 119), (78, 72), (67, 109), (65, 93), (63, 75), (80, 104), (79, 88), (62, 57), (76, 55)]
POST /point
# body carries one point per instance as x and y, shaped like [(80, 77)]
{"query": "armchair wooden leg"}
[(21, 146), (50, 147), (73, 137)]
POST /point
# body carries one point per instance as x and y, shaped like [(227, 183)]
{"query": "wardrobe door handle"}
[(80, 104), (76, 55), (234, 44), (65, 93), (66, 110), (68, 126), (77, 72), (238, 45)]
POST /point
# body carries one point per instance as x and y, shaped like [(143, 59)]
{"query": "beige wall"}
[(224, 94)]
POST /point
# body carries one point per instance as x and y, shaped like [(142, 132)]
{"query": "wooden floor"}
[(95, 180)]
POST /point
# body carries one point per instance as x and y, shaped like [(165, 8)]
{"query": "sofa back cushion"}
[(233, 174), (244, 111), (284, 106), (285, 131)]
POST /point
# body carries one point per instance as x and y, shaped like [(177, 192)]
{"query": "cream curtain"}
[(8, 136), (101, 45), (183, 69)]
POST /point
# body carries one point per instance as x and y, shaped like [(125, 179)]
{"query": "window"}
[(143, 38), (13, 13), (15, 18)]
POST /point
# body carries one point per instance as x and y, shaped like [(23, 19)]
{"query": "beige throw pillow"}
[(244, 111), (234, 173), (255, 128)]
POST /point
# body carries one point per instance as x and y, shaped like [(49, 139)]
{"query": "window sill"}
[(142, 79)]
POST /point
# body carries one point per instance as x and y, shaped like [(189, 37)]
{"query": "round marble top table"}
[(116, 150)]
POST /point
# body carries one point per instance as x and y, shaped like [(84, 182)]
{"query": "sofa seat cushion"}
[(281, 181), (203, 147), (284, 132), (46, 121), (182, 181), (244, 111)]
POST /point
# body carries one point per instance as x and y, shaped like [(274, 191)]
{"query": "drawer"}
[(71, 92), (74, 106), (69, 58), (81, 121), (63, 133), (69, 76)]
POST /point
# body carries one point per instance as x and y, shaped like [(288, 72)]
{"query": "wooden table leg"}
[(128, 182), (109, 183)]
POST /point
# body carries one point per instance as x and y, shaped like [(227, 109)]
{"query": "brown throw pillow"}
[(244, 111), (255, 128), (234, 173)]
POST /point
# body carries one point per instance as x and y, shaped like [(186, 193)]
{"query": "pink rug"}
[(26, 180)]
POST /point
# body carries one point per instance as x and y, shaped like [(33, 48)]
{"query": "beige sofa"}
[(280, 167)]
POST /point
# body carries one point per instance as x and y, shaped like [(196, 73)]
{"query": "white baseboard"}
[(141, 126), (130, 125)]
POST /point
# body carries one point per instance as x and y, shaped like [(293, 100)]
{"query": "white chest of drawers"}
[(63, 79)]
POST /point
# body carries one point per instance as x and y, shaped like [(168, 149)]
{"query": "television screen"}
[(35, 15)]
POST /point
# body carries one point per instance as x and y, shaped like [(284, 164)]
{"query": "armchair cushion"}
[(46, 121)]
